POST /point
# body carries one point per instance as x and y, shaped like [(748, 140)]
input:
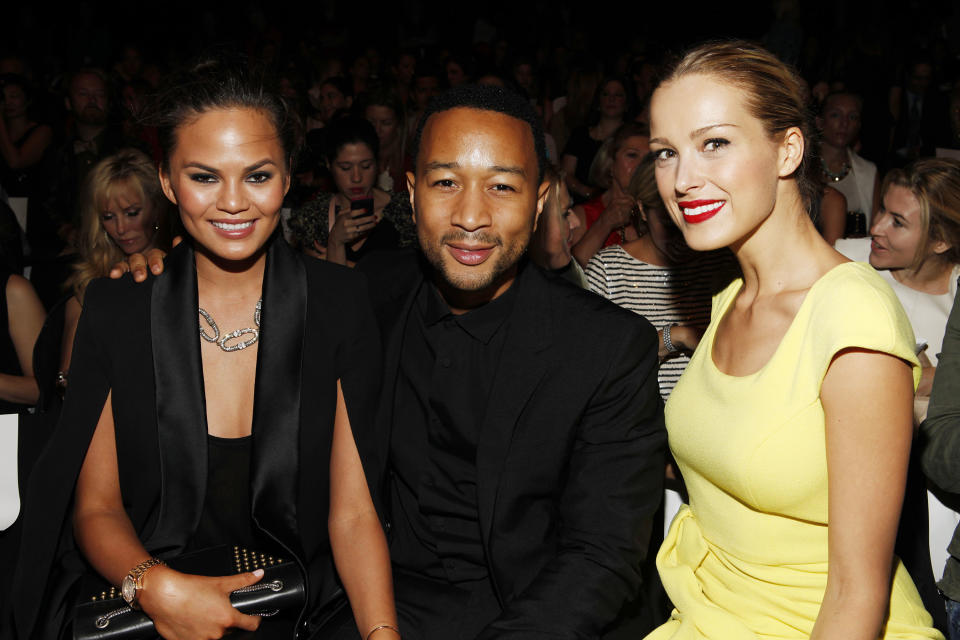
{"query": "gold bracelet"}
[(380, 627)]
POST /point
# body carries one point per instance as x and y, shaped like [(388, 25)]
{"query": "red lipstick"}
[(697, 211)]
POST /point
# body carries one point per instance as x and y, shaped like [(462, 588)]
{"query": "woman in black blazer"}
[(176, 442)]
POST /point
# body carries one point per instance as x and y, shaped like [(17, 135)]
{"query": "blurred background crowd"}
[(76, 81)]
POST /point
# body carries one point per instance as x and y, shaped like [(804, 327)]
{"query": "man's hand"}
[(138, 263)]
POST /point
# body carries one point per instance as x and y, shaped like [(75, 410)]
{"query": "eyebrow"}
[(433, 166), (697, 133), (252, 167)]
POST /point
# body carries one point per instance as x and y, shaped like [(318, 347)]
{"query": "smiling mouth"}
[(233, 226), (696, 211)]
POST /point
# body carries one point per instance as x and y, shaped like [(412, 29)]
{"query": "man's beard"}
[(92, 115), (481, 276)]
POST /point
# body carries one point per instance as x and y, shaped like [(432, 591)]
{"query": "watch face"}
[(128, 589)]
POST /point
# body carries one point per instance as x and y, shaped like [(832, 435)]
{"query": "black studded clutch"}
[(103, 614)]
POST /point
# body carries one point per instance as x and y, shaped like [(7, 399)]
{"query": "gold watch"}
[(133, 581)]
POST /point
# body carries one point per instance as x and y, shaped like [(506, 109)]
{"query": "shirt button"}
[(445, 363)]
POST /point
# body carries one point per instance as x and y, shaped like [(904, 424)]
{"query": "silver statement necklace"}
[(222, 340)]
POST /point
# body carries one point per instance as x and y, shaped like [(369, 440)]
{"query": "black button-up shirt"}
[(447, 365)]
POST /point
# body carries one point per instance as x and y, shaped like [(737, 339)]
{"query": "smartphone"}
[(366, 204)]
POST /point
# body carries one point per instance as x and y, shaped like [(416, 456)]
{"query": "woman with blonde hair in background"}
[(605, 219), (122, 212)]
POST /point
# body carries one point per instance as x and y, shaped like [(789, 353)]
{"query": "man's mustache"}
[(465, 237)]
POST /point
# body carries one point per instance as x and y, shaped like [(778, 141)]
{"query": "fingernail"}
[(258, 573)]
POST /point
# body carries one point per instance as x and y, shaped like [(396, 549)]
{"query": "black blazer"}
[(570, 461), (141, 341)]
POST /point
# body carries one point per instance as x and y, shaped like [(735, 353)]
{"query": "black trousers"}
[(429, 609)]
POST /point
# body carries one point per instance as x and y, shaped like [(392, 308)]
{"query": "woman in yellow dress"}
[(792, 423)]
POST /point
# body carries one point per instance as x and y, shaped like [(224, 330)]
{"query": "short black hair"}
[(487, 98)]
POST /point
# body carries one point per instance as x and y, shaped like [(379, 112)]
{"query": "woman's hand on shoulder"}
[(187, 607), (138, 263)]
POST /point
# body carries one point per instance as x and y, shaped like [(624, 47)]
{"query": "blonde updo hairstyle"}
[(127, 169), (773, 94), (935, 183)]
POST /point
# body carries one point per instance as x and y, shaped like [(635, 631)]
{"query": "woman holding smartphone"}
[(359, 218), (255, 431), (792, 422)]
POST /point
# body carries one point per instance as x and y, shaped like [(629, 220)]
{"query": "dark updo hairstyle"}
[(348, 130), (221, 82), (771, 92)]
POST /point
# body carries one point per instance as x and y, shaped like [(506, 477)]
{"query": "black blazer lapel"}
[(276, 405), (393, 293), (181, 408), (520, 369)]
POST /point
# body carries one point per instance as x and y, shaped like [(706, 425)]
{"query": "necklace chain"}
[(832, 176), (221, 341)]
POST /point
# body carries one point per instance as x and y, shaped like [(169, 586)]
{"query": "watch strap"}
[(136, 575)]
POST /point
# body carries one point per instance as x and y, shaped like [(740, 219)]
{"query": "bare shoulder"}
[(72, 308), (19, 290)]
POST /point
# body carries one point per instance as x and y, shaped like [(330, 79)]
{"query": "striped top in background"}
[(663, 295)]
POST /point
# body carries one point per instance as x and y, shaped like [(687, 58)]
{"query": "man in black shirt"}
[(522, 414)]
